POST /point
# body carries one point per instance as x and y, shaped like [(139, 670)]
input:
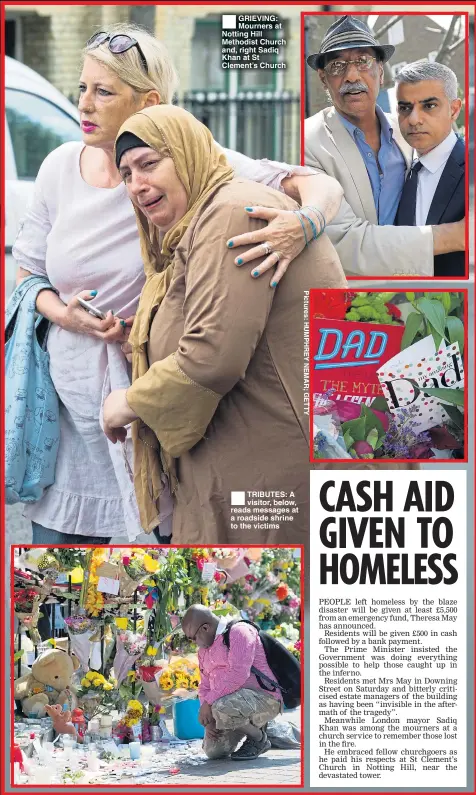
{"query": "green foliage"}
[(438, 314)]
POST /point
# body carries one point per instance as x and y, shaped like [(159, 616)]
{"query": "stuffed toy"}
[(49, 682)]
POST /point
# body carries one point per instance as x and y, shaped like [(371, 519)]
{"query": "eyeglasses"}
[(338, 68), (194, 638), (118, 44)]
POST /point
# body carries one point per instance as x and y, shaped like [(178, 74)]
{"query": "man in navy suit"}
[(434, 191)]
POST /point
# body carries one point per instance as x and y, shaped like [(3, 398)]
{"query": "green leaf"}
[(434, 313), (412, 325), (455, 331), (456, 301), (454, 396), (18, 655), (455, 416), (371, 421), (356, 428), (380, 404), (349, 441), (372, 438), (436, 337)]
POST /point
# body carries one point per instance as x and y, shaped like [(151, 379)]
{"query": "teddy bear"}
[(49, 682)]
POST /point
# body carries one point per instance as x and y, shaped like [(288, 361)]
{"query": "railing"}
[(255, 123)]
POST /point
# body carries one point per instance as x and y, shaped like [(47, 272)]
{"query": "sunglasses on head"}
[(118, 43)]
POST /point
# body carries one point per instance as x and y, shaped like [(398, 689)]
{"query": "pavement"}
[(274, 767)]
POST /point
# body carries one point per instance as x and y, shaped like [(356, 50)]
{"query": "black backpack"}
[(283, 664)]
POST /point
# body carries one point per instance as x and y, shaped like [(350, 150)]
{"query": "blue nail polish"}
[(255, 274), (93, 292), (239, 261), (274, 284), (123, 322), (230, 244), (249, 209)]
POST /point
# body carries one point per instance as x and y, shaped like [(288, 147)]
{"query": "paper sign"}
[(108, 585), (345, 356), (107, 569), (136, 729), (208, 571), (111, 747), (427, 367)]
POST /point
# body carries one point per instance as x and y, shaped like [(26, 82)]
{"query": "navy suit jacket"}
[(447, 206)]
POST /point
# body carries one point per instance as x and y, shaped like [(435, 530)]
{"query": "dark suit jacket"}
[(448, 205)]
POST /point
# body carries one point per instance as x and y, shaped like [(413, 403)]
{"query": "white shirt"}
[(222, 625), (433, 165)]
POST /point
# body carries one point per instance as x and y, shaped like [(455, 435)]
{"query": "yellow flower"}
[(135, 705), (151, 651), (166, 681), (132, 675), (150, 583), (85, 683), (97, 682), (162, 711), (77, 575), (91, 675), (150, 564), (121, 622), (108, 686)]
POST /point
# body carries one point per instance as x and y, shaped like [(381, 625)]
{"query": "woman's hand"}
[(61, 720), (75, 318), (116, 415), (284, 234), (126, 348)]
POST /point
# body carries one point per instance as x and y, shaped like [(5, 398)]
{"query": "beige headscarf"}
[(201, 168)]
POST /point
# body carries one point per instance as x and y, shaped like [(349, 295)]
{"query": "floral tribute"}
[(373, 400)]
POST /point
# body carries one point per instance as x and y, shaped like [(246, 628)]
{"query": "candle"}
[(134, 750)]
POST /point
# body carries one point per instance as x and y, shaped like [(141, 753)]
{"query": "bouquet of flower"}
[(49, 565), (148, 671), (80, 630), (95, 691), (26, 601), (155, 712), (134, 568), (95, 682), (181, 675), (129, 647)]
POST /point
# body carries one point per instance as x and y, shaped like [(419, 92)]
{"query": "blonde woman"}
[(81, 233)]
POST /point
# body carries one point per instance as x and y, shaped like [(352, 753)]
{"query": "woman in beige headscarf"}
[(217, 359)]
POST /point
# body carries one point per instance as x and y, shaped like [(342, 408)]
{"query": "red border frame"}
[(122, 787), (304, 75), (384, 461), (226, 6)]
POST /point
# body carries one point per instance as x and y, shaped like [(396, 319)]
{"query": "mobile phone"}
[(93, 310)]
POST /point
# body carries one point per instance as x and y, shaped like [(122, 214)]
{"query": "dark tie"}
[(407, 208)]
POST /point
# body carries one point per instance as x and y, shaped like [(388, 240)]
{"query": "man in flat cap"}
[(358, 144)]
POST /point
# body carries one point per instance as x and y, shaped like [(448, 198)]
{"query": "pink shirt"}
[(223, 671)]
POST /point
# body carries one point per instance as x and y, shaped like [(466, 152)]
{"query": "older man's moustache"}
[(353, 88)]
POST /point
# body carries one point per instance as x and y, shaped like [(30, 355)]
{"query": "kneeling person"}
[(233, 706)]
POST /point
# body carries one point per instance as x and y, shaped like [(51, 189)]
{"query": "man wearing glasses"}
[(358, 144), (233, 706)]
